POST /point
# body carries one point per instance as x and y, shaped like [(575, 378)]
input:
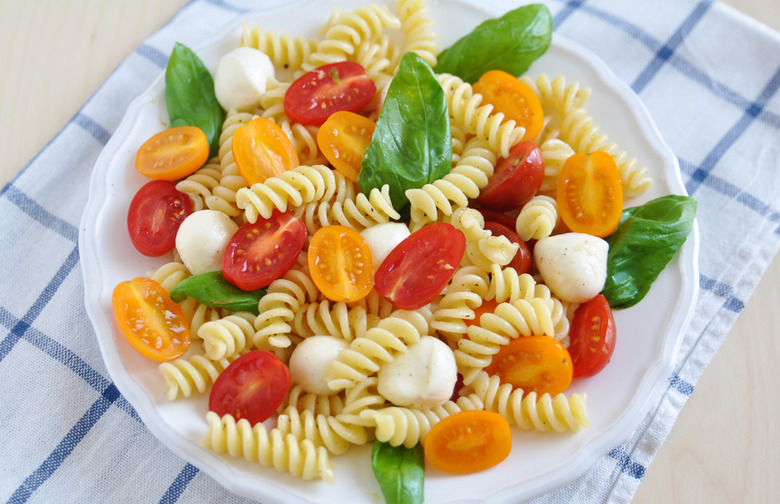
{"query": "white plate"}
[(618, 398)]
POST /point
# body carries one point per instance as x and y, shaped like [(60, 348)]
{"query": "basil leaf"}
[(400, 472), (509, 43), (412, 143), (646, 239), (190, 97), (213, 290)]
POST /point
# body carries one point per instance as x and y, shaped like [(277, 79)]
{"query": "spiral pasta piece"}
[(198, 185), (379, 58), (480, 120), (557, 98), (170, 274), (273, 449), (486, 252), (333, 319), (507, 285), (555, 152), (537, 219), (302, 400), (398, 425), (322, 430), (284, 50), (417, 30), (464, 294), (227, 336), (284, 297), (184, 377)]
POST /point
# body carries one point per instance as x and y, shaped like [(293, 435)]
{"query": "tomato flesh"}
[(536, 363), (317, 94), (592, 337), (516, 179), (260, 252), (589, 194), (523, 260), (263, 150), (419, 267), (154, 216), (512, 97), (340, 263), (468, 441), (149, 320), (343, 139), (173, 154), (251, 387)]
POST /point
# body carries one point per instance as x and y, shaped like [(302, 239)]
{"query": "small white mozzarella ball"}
[(241, 77), (310, 360), (572, 265), (423, 377), (383, 238), (202, 238)]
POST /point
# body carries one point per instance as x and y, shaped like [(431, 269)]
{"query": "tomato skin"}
[(523, 260), (589, 193), (468, 441), (516, 179), (149, 320), (173, 153), (154, 216), (419, 267), (592, 337), (317, 94), (536, 363), (252, 387), (263, 150), (260, 252), (340, 263), (497, 217), (513, 98), (343, 139)]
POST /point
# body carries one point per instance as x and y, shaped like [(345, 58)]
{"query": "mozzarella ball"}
[(422, 377), (383, 238), (572, 265), (241, 77), (310, 360), (202, 238)]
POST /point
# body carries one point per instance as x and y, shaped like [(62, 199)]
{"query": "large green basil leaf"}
[(213, 290), (190, 97), (645, 241), (509, 43), (412, 143), (400, 472)]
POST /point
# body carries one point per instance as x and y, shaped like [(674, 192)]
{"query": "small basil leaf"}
[(646, 239), (412, 143), (509, 43), (400, 472), (190, 97), (213, 290)]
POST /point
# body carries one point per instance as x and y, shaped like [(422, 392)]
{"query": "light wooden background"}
[(725, 446)]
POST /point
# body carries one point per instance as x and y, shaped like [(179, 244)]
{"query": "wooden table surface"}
[(53, 57)]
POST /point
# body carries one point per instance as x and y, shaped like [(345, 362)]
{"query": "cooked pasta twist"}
[(557, 98), (183, 377), (272, 101), (170, 274), (407, 426), (284, 297), (379, 58), (227, 336), (507, 285), (486, 252), (198, 185), (357, 213), (334, 319), (417, 29), (322, 430), (555, 152), (464, 294), (273, 449), (537, 219), (301, 400), (284, 50)]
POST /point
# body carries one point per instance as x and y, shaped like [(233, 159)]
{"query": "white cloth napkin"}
[(710, 79)]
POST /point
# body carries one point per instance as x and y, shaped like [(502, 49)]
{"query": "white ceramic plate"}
[(618, 398)]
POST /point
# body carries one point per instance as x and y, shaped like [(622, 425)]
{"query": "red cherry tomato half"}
[(516, 179), (252, 387), (155, 214), (592, 337), (498, 217), (419, 267), (259, 253), (315, 95), (523, 260)]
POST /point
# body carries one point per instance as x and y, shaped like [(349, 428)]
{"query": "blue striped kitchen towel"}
[(710, 79)]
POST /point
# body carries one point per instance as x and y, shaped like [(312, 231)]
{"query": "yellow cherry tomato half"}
[(173, 153), (343, 139), (512, 97), (262, 150), (340, 263), (589, 194), (153, 324)]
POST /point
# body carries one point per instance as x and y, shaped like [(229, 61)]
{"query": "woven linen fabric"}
[(709, 77)]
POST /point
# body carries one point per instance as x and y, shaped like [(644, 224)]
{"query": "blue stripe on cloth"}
[(722, 290), (186, 475), (40, 214), (627, 466), (157, 57), (66, 446), (680, 385), (90, 126), (564, 14)]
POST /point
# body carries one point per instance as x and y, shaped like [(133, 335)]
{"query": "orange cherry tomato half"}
[(487, 306), (592, 336), (343, 139), (538, 364), (263, 150), (468, 441), (149, 320), (173, 154), (251, 387), (340, 263), (589, 194), (513, 98)]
